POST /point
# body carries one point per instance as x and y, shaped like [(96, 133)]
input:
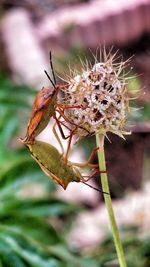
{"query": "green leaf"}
[(43, 207), (11, 259), (32, 257), (30, 229)]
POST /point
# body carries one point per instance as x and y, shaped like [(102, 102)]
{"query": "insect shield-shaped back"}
[(53, 163), (42, 110)]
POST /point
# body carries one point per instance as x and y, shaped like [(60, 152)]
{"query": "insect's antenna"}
[(99, 190), (51, 64), (50, 79)]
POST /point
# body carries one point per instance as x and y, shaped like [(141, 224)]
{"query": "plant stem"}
[(108, 201)]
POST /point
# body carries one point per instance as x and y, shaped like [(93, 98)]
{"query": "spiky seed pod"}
[(102, 95)]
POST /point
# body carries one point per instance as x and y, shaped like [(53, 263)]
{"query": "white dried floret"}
[(101, 97)]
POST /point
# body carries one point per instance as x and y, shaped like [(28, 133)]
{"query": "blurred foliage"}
[(136, 248), (33, 223), (141, 109), (145, 112), (69, 62), (140, 112), (134, 84)]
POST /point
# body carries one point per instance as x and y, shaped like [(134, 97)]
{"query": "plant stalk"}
[(108, 201)]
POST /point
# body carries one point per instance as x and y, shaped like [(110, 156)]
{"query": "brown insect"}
[(43, 109)]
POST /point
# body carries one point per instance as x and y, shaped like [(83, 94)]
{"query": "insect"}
[(44, 107), (54, 166)]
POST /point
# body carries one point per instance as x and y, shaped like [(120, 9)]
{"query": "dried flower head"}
[(102, 94)]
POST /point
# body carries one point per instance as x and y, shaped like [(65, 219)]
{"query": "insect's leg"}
[(84, 181), (57, 137), (68, 107), (87, 163), (61, 111), (96, 189), (66, 126), (58, 123), (69, 145), (86, 178), (70, 136), (72, 132)]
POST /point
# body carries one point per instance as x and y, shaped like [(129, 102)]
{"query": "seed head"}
[(102, 95)]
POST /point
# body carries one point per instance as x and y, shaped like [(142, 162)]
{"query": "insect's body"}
[(43, 109), (53, 163)]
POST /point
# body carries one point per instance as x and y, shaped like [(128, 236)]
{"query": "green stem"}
[(108, 201)]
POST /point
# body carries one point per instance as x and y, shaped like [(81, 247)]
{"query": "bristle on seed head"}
[(102, 94)]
